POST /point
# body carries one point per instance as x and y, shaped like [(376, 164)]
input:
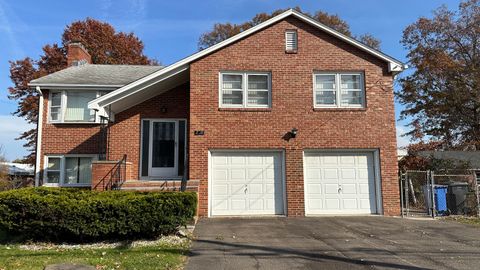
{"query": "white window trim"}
[(62, 158), (244, 90), (63, 107), (338, 90)]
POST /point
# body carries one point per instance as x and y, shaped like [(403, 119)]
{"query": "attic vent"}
[(291, 43)]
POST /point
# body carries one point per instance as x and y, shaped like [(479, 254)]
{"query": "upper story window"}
[(71, 106), (291, 41), (339, 90), (245, 90)]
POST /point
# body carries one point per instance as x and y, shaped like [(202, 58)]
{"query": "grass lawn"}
[(158, 256)]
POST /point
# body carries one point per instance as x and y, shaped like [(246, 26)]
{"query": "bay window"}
[(72, 106), (245, 90), (339, 90), (68, 170)]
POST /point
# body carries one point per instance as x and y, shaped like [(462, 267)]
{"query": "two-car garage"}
[(247, 183)]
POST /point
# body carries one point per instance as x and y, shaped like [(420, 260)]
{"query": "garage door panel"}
[(348, 174), (255, 189), (331, 189), (339, 183), (327, 160), (254, 180), (220, 189), (237, 160), (221, 175), (332, 204), (220, 204), (237, 174), (330, 174), (315, 204), (236, 189), (349, 189), (350, 204), (314, 188), (347, 160), (219, 160)]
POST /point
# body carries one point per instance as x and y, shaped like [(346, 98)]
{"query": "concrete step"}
[(159, 185)]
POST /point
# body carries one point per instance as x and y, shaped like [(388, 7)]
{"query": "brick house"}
[(288, 118)]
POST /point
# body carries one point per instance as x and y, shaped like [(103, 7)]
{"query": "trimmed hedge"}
[(67, 214)]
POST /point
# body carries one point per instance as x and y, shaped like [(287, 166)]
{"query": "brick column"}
[(294, 182)]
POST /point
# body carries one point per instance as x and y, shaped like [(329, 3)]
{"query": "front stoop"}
[(159, 185)]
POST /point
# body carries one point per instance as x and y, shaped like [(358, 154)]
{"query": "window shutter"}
[(291, 41)]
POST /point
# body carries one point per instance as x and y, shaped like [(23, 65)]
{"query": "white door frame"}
[(210, 166), (174, 174), (376, 170)]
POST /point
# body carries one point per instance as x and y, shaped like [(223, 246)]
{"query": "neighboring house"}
[(289, 118), (19, 169)]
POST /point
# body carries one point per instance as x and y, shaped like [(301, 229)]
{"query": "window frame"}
[(338, 91), (63, 107), (245, 90), (61, 182)]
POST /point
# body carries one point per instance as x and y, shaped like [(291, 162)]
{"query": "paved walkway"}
[(334, 243)]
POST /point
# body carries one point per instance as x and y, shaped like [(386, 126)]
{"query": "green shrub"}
[(65, 214)]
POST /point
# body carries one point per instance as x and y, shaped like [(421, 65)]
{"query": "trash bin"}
[(456, 197), (440, 196)]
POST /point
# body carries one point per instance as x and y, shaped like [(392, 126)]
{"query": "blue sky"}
[(170, 31)]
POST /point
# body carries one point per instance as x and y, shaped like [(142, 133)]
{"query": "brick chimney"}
[(77, 55)]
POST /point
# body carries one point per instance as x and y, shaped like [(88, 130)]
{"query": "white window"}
[(338, 90), (245, 90), (71, 170), (72, 106), (291, 42)]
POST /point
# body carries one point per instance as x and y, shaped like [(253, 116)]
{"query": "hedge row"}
[(64, 214)]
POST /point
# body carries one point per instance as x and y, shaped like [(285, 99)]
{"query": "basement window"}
[(291, 41), (71, 170)]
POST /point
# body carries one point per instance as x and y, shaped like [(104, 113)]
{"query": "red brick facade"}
[(292, 106)]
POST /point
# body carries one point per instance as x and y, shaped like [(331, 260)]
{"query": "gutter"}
[(38, 153)]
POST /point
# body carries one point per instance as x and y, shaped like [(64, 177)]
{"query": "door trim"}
[(376, 173), (149, 177), (210, 166)]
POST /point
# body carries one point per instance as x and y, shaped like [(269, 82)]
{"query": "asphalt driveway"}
[(333, 243)]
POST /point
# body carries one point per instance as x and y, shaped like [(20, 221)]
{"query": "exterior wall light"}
[(293, 132)]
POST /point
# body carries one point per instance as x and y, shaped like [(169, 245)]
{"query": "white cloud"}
[(10, 128), (402, 141)]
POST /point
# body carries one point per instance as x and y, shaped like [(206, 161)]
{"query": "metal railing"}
[(115, 178)]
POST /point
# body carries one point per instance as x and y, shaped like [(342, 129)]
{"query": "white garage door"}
[(246, 183), (339, 183)]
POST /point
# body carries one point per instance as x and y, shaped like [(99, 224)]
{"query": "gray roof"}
[(89, 74)]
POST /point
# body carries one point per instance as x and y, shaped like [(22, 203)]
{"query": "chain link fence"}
[(439, 193)]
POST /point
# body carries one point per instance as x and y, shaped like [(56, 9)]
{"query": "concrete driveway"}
[(333, 243)]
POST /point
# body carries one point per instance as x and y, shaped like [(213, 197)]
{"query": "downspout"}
[(38, 153)]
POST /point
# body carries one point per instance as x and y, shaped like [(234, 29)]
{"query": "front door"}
[(163, 152)]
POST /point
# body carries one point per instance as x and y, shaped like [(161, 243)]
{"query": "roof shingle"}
[(89, 74)]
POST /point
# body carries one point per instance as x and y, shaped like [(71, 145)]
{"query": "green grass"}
[(466, 220), (161, 256)]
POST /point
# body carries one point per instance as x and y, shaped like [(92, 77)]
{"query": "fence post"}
[(475, 182), (402, 178), (432, 192)]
